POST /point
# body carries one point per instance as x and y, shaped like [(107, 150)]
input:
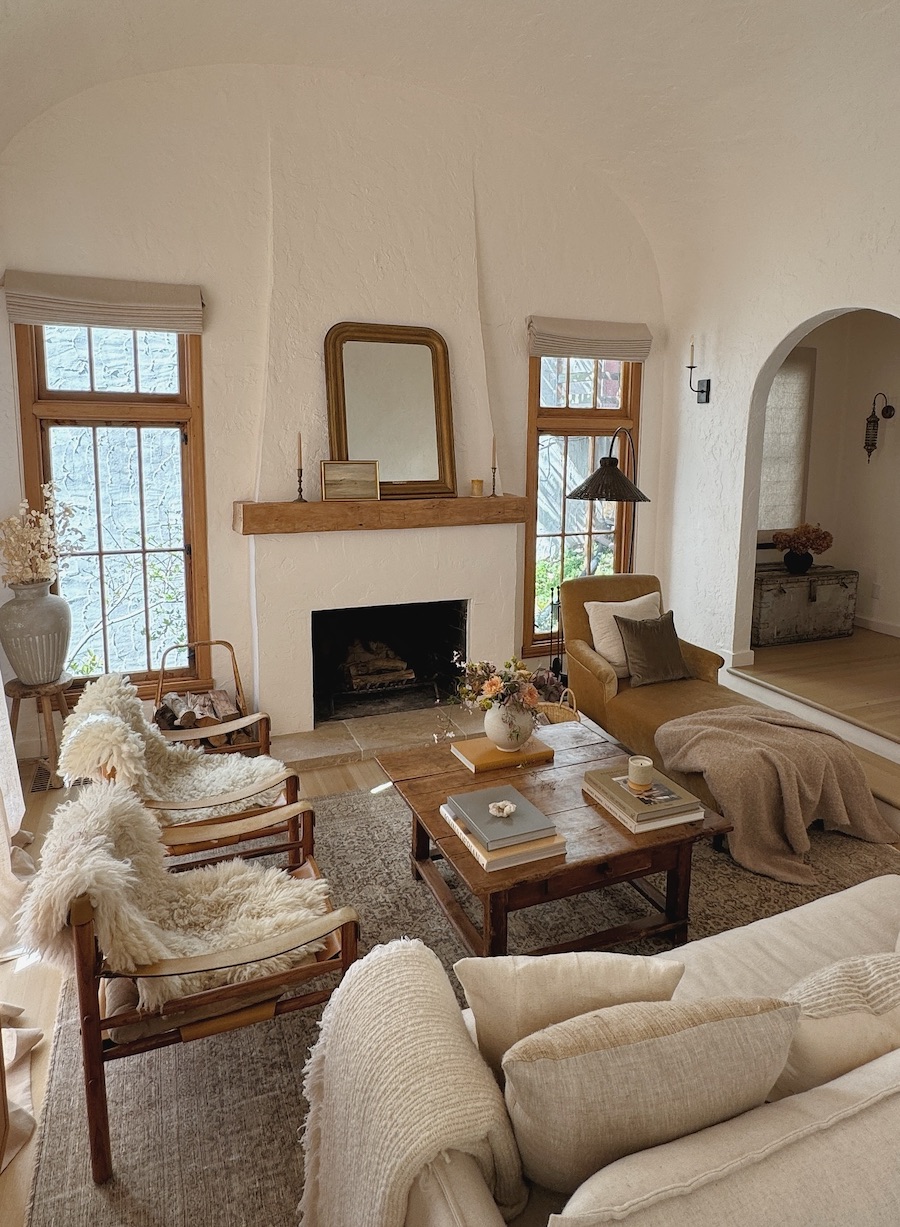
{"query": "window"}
[(575, 405), (782, 490), (113, 417)]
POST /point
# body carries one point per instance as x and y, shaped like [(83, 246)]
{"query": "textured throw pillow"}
[(849, 1015), (652, 650), (585, 1092), (605, 633), (513, 996)]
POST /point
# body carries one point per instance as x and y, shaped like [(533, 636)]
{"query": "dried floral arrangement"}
[(483, 684), (29, 541), (805, 538)]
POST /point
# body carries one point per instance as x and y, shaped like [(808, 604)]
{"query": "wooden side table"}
[(45, 696)]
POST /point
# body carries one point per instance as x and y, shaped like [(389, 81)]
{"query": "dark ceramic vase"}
[(797, 564)]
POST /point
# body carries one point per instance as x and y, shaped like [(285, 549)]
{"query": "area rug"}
[(207, 1133)]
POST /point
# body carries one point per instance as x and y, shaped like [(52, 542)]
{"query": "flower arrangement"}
[(804, 539), (29, 541), (484, 685)]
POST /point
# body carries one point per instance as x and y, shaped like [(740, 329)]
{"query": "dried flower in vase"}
[(804, 539), (30, 541)]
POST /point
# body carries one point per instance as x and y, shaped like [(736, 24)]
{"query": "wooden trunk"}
[(794, 608)]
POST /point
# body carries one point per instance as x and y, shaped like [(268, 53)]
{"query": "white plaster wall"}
[(297, 201), (858, 355)]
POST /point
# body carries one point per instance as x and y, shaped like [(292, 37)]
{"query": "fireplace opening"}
[(379, 659)]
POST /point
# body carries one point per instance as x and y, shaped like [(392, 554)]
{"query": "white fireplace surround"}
[(293, 574)]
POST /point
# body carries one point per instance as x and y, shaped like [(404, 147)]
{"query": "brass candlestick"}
[(493, 481), (300, 498)]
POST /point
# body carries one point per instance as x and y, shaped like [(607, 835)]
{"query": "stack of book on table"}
[(499, 842), (664, 804)]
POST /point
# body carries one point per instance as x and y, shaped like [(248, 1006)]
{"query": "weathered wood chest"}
[(792, 608)]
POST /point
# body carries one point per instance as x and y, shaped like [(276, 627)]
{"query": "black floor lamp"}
[(609, 484)]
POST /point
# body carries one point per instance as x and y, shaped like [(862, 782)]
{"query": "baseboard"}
[(737, 660), (883, 628)]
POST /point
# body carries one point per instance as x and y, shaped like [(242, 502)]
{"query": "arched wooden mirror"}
[(388, 390)]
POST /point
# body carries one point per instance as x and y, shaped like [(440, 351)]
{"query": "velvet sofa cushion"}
[(652, 650), (607, 639)]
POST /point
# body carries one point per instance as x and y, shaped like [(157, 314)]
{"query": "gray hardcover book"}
[(471, 809)]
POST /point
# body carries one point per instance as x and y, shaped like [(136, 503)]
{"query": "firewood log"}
[(181, 709)]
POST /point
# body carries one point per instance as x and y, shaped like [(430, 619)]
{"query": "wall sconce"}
[(703, 385), (887, 412)]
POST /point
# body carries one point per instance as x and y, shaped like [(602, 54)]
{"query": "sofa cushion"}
[(584, 1092), (827, 1157), (767, 957), (605, 633), (513, 996), (652, 652), (849, 1014)]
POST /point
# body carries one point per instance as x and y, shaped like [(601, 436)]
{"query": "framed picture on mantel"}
[(344, 480)]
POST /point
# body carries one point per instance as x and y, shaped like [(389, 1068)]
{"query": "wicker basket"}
[(559, 713)]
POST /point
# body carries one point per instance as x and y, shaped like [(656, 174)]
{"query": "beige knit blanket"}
[(392, 1082), (774, 774)]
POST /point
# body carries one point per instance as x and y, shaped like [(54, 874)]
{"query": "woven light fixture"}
[(611, 485)]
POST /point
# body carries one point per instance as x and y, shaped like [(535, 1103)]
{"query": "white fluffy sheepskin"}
[(106, 844), (108, 730)]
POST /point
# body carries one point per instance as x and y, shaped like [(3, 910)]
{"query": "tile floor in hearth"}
[(349, 741)]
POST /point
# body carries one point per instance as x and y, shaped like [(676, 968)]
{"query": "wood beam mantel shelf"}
[(252, 519)]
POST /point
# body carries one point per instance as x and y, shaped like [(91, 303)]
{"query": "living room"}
[(718, 175)]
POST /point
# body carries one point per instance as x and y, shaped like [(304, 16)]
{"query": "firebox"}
[(378, 659)]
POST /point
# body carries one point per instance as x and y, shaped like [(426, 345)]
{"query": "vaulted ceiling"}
[(663, 93)]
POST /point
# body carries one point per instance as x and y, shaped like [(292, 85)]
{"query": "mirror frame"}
[(444, 486)]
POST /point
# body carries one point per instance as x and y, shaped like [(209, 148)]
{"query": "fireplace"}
[(378, 659)]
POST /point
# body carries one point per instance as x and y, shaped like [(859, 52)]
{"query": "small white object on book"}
[(502, 809)]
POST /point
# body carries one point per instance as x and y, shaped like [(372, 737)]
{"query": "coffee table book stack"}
[(500, 841), (663, 804), (480, 754)]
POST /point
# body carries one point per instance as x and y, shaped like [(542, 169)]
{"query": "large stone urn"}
[(35, 627), (508, 725)]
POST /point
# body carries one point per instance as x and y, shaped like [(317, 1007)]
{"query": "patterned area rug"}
[(207, 1133)]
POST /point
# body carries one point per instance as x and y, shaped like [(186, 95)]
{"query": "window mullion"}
[(101, 568)]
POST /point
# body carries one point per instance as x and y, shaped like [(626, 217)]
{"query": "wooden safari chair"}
[(161, 953)]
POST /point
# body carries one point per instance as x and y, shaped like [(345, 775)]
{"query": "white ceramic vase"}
[(508, 725), (35, 627)]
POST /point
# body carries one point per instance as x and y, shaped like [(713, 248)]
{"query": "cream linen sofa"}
[(824, 1157)]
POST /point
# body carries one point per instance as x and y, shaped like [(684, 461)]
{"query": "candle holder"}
[(493, 481), (299, 498)]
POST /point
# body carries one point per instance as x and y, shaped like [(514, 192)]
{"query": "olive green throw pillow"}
[(652, 650)]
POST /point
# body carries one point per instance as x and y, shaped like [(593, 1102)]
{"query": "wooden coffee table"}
[(600, 851)]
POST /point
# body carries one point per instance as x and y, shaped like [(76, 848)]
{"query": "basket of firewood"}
[(218, 720)]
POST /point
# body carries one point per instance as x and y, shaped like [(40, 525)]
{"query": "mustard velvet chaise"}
[(633, 714)]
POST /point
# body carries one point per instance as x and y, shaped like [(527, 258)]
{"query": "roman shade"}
[(98, 302), (549, 337)]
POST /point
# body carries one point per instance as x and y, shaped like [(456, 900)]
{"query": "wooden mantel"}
[(252, 519)]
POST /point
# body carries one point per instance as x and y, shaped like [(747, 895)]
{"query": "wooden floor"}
[(857, 678), (36, 987)]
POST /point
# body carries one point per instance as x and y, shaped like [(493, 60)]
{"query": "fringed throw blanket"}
[(392, 1082), (773, 775)]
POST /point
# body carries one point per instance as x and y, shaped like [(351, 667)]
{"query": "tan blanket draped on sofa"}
[(773, 774)]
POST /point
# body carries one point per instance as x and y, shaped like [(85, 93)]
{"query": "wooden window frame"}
[(40, 407), (599, 423)]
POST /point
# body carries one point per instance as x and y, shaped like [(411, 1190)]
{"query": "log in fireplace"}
[(378, 659)]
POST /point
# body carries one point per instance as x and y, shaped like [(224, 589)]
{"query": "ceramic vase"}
[(508, 725), (35, 627), (797, 563)]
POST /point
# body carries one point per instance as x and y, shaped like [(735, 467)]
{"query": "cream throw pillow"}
[(605, 633), (513, 996), (585, 1092), (849, 1015)]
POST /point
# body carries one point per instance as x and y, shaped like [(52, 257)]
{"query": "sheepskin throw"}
[(774, 774), (106, 844), (397, 998), (108, 732)]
